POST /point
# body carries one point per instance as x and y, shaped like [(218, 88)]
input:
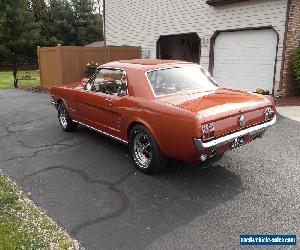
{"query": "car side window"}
[(109, 81)]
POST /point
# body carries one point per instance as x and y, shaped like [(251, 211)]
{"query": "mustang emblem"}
[(242, 121)]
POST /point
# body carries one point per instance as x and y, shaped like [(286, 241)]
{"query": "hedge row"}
[(296, 62)]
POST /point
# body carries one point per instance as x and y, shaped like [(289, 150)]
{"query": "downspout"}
[(104, 31)]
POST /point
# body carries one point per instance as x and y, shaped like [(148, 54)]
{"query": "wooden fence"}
[(64, 64)]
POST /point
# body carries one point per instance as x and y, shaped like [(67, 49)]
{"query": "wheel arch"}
[(147, 126), (59, 100), (131, 125)]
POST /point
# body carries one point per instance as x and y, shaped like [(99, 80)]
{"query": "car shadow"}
[(157, 204), (94, 191)]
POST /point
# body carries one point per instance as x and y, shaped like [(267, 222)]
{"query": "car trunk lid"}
[(222, 108)]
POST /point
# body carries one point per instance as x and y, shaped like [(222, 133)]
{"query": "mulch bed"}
[(38, 89), (288, 101)]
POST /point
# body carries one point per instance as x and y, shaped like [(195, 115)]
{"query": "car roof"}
[(144, 64)]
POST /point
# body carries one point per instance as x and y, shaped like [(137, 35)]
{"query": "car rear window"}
[(178, 79)]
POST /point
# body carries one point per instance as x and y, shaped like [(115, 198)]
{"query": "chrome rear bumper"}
[(201, 146)]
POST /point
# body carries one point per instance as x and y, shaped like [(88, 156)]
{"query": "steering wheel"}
[(107, 89)]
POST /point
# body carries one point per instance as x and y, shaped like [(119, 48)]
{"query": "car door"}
[(96, 104), (92, 109), (118, 109)]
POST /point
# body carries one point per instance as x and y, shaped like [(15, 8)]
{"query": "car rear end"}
[(226, 118), (234, 126)]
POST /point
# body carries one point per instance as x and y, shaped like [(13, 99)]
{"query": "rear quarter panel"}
[(172, 128)]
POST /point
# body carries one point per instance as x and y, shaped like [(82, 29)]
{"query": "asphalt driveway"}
[(87, 183)]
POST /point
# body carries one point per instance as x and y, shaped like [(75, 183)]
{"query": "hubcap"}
[(63, 116), (142, 150)]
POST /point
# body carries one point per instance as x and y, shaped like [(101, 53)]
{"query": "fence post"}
[(14, 66), (40, 71), (108, 53), (140, 52), (60, 63)]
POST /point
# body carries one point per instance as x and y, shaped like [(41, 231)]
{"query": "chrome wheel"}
[(64, 119), (142, 150), (63, 116)]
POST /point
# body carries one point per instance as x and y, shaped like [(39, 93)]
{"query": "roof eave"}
[(222, 2)]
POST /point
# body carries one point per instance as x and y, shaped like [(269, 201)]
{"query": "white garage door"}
[(245, 59)]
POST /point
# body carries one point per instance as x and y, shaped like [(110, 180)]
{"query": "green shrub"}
[(296, 63)]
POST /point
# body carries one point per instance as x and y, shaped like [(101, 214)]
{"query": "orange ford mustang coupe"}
[(163, 109)]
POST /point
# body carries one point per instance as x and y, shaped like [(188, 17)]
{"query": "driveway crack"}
[(112, 186)]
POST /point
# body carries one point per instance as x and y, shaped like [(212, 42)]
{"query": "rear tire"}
[(145, 152), (64, 118)]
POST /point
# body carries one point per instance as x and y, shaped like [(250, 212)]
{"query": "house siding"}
[(141, 22)]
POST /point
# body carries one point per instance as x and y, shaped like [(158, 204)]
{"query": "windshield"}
[(173, 80)]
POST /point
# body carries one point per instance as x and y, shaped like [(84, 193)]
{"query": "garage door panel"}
[(229, 37), (247, 79), (256, 45), (245, 59), (234, 68), (251, 53), (235, 84)]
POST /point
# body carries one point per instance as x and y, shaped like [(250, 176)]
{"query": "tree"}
[(88, 24), (25, 24), (3, 50), (40, 10), (2, 18), (61, 26), (2, 15), (20, 33)]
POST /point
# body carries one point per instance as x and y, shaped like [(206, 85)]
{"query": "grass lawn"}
[(6, 80), (25, 226), (27, 79)]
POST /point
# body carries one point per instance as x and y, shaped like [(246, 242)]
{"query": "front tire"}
[(65, 120), (145, 152)]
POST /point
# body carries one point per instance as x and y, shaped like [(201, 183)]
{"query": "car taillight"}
[(269, 114), (208, 131)]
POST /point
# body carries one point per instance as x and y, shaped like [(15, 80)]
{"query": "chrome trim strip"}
[(201, 146), (102, 132)]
